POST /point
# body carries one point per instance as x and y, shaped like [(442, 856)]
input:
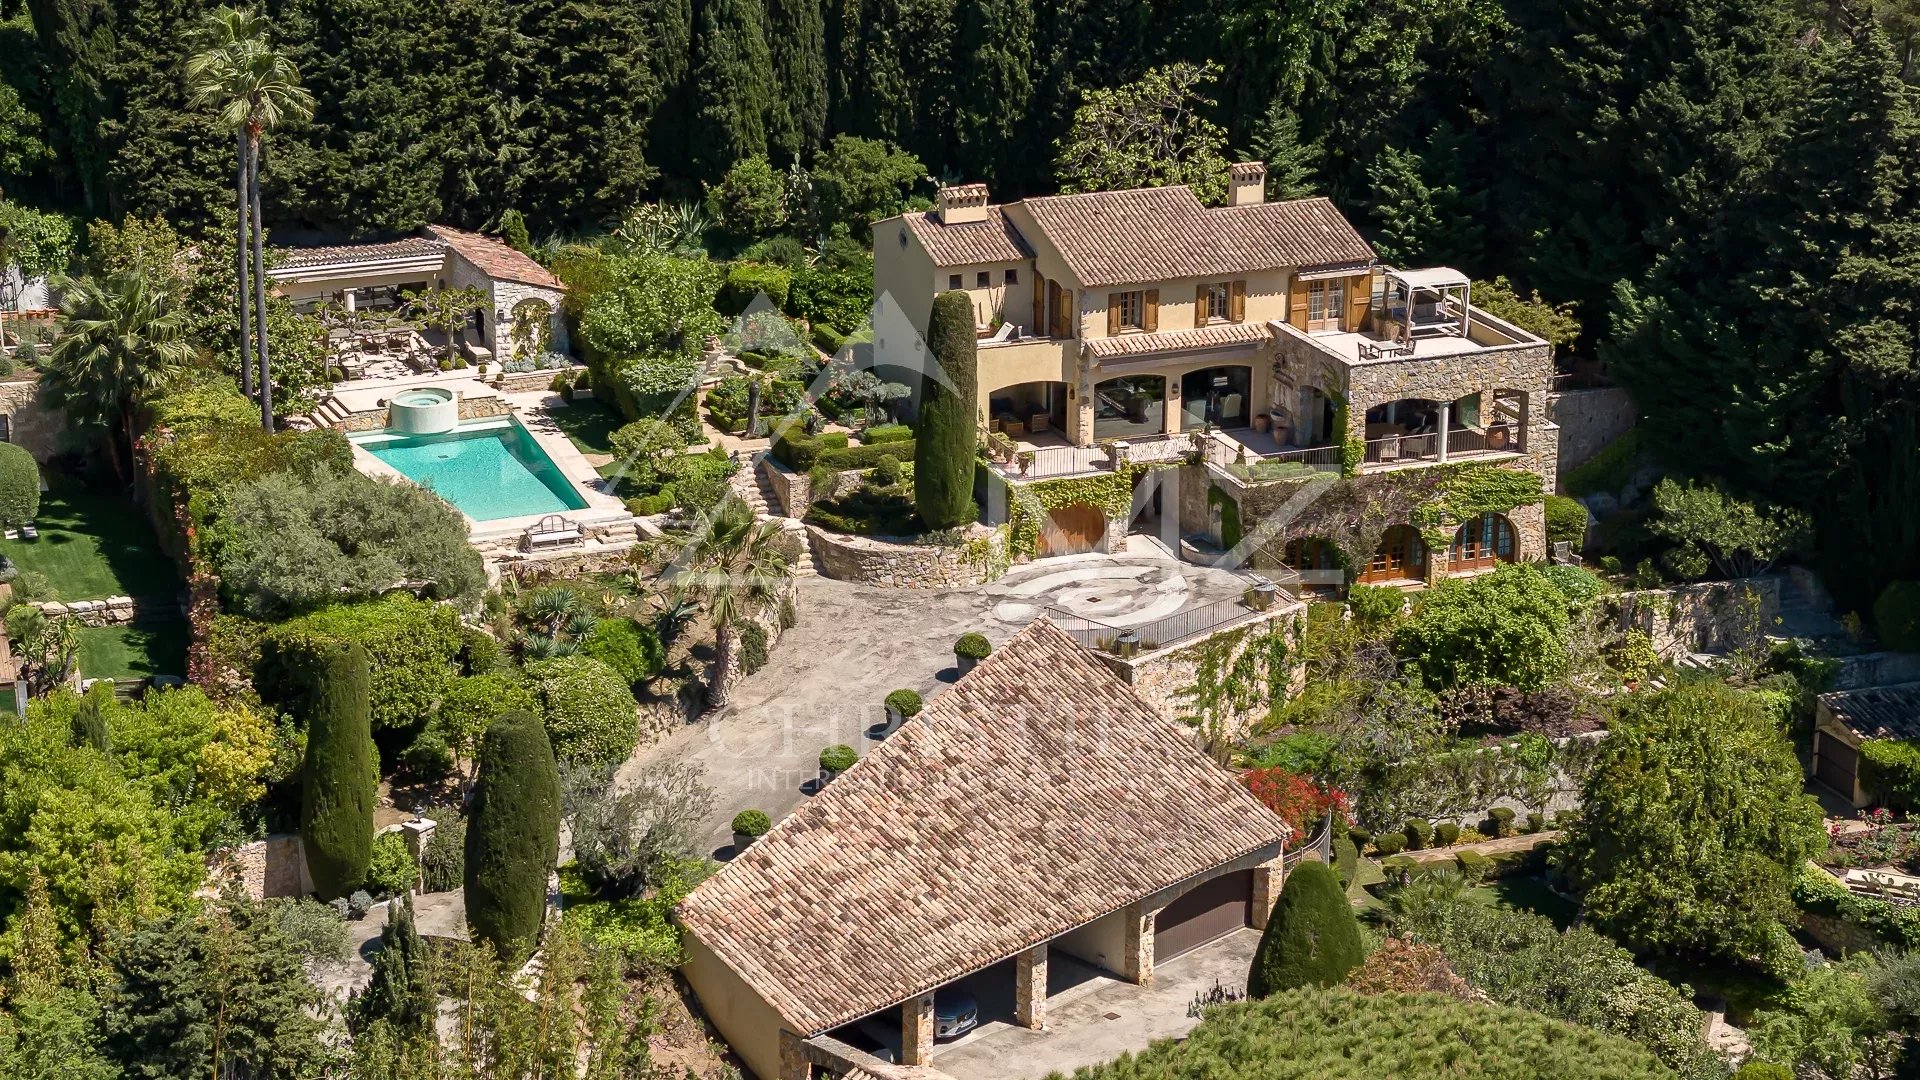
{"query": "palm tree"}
[(731, 566), (120, 340), (255, 88)]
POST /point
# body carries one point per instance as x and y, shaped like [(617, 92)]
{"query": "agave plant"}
[(552, 608)]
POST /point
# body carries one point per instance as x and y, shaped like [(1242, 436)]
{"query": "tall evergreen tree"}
[(1311, 939), (1291, 163), (993, 83), (733, 87), (797, 35), (591, 85), (513, 835), (400, 992), (338, 778), (943, 453)]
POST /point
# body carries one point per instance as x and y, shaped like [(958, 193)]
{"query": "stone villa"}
[(1260, 343)]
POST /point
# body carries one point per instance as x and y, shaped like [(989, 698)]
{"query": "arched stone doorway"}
[(1484, 542), (1320, 566), (1072, 530)]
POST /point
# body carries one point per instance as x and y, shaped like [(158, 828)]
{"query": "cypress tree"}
[(992, 85), (513, 835), (944, 451), (338, 779), (1311, 939), (797, 35), (733, 89)]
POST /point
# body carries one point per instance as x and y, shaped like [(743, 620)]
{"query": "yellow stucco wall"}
[(743, 1017), (1102, 943)]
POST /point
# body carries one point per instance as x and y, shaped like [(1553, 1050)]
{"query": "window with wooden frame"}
[(1327, 304), (982, 280), (1402, 556), (1136, 310), (1483, 542), (1214, 302)]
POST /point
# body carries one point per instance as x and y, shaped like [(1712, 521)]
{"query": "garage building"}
[(1037, 805), (1844, 719)]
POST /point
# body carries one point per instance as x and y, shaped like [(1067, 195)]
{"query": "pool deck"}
[(530, 411)]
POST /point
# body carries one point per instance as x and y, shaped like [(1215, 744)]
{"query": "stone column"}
[(1446, 415), (916, 1031), (1137, 944), (1030, 988), (1170, 405), (793, 1058), (1267, 879)]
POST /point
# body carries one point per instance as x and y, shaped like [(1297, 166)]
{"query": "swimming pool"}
[(488, 471)]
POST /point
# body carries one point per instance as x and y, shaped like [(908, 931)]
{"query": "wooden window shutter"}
[(1039, 322), (1359, 296), (1200, 312), (1237, 302), (1069, 319), (1297, 304), (1113, 314), (1150, 315)]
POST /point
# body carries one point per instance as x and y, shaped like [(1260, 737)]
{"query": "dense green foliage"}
[(1693, 824), (1507, 628), (1338, 1034), (338, 778), (1896, 616), (513, 835), (1566, 521), (588, 709), (1890, 771), (1519, 958), (631, 649), (1311, 937), (943, 454)]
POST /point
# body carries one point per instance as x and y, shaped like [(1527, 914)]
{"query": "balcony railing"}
[(1462, 442), (1244, 464), (1161, 632)]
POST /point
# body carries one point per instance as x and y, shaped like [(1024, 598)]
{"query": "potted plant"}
[(969, 650), (902, 705), (835, 760), (1025, 458), (748, 826)]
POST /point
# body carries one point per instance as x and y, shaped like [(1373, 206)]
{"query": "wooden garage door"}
[(1835, 764), (1213, 908), (1071, 530)]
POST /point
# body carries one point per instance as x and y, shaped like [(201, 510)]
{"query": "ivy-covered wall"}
[(1223, 682), (1027, 505), (1353, 513)]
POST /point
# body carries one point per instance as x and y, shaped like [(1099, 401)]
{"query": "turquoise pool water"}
[(487, 473)]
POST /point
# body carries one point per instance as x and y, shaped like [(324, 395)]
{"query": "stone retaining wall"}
[(272, 867), (1588, 421), (1162, 676), (32, 423), (523, 382), (1837, 935), (113, 611), (1710, 617), (899, 565)]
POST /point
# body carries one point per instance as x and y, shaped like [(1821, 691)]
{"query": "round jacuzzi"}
[(426, 410)]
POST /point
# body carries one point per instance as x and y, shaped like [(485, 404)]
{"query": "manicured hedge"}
[(828, 339), (338, 778), (414, 647), (1311, 937), (19, 486), (513, 835), (1890, 769), (801, 452), (1566, 521), (887, 433), (745, 280)]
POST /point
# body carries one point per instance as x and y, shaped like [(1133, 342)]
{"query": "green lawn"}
[(588, 424), (128, 652), (94, 546)]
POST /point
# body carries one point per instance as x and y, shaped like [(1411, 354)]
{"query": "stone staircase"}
[(1806, 611), (757, 492), (329, 413)]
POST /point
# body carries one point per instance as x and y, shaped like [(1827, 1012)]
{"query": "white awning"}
[(1434, 277)]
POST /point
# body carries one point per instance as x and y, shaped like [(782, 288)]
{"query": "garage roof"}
[(1882, 712), (1035, 796)]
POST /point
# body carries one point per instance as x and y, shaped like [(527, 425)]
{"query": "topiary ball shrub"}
[(19, 486), (1473, 866), (1361, 837), (1446, 834), (1566, 521), (887, 472), (972, 646), (751, 823), (906, 703), (1311, 939), (1536, 821), (1501, 820), (1392, 843), (837, 759), (1419, 834), (1896, 616), (588, 709)]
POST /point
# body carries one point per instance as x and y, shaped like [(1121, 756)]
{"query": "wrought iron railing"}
[(1167, 630)]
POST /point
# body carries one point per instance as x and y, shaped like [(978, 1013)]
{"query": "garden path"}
[(1486, 847)]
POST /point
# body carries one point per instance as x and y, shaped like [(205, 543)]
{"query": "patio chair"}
[(1037, 423), (1389, 448)]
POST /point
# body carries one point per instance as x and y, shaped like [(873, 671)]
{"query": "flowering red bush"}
[(1299, 801)]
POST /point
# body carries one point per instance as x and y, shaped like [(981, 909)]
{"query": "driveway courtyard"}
[(825, 681)]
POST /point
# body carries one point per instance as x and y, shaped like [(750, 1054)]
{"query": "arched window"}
[(1402, 557), (1316, 561), (1485, 541)]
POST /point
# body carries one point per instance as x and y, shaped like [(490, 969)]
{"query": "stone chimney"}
[(1247, 183), (962, 203)]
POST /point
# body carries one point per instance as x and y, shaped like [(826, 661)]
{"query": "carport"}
[(1037, 808)]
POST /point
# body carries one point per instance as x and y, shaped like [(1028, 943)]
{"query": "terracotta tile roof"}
[(1036, 795), (495, 258), (403, 248), (1882, 712), (1153, 234), (1199, 337), (992, 240)]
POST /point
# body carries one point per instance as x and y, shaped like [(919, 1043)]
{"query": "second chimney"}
[(1247, 183), (962, 203)]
